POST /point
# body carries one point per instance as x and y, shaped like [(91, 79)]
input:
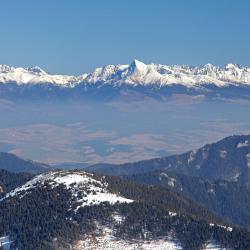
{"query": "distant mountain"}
[(74, 209), (154, 80), (33, 75), (9, 180), (227, 199), (15, 164), (215, 176), (137, 73), (228, 159)]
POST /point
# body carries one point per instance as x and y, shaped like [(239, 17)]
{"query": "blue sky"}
[(75, 36)]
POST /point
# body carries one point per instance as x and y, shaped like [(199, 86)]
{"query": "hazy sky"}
[(75, 36)]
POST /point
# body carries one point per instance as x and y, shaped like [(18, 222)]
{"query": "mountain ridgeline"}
[(56, 210), (229, 200), (215, 176), (228, 159), (13, 163), (137, 79), (9, 180), (193, 201)]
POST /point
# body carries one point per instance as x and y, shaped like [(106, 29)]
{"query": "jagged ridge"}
[(137, 73)]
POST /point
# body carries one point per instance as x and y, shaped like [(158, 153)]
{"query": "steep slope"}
[(34, 75), (139, 73), (227, 199), (228, 159), (13, 163), (215, 176), (85, 189), (9, 180), (65, 209)]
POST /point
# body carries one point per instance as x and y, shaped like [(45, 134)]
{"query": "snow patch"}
[(191, 156), (118, 218), (171, 181), (198, 166), (229, 229), (213, 246), (172, 214), (105, 240), (223, 154), (211, 190), (85, 189), (235, 177), (243, 144), (248, 160)]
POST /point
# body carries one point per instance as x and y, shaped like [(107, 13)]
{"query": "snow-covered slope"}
[(137, 73), (61, 205), (104, 239), (85, 189), (32, 75)]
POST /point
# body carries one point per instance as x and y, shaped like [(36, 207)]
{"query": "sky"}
[(76, 36)]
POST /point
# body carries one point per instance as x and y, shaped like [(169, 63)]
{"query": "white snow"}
[(172, 214), (118, 218), (248, 160), (24, 189), (229, 229), (236, 176), (223, 154), (94, 191), (211, 190), (33, 75), (192, 156), (198, 166), (137, 73), (243, 144), (171, 181), (213, 246), (105, 240)]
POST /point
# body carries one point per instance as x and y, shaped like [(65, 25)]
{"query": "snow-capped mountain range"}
[(135, 74)]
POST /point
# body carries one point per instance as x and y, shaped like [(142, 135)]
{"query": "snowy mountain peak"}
[(137, 65), (210, 67), (37, 70), (232, 66), (32, 75), (32, 70), (5, 68), (137, 73), (88, 188)]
